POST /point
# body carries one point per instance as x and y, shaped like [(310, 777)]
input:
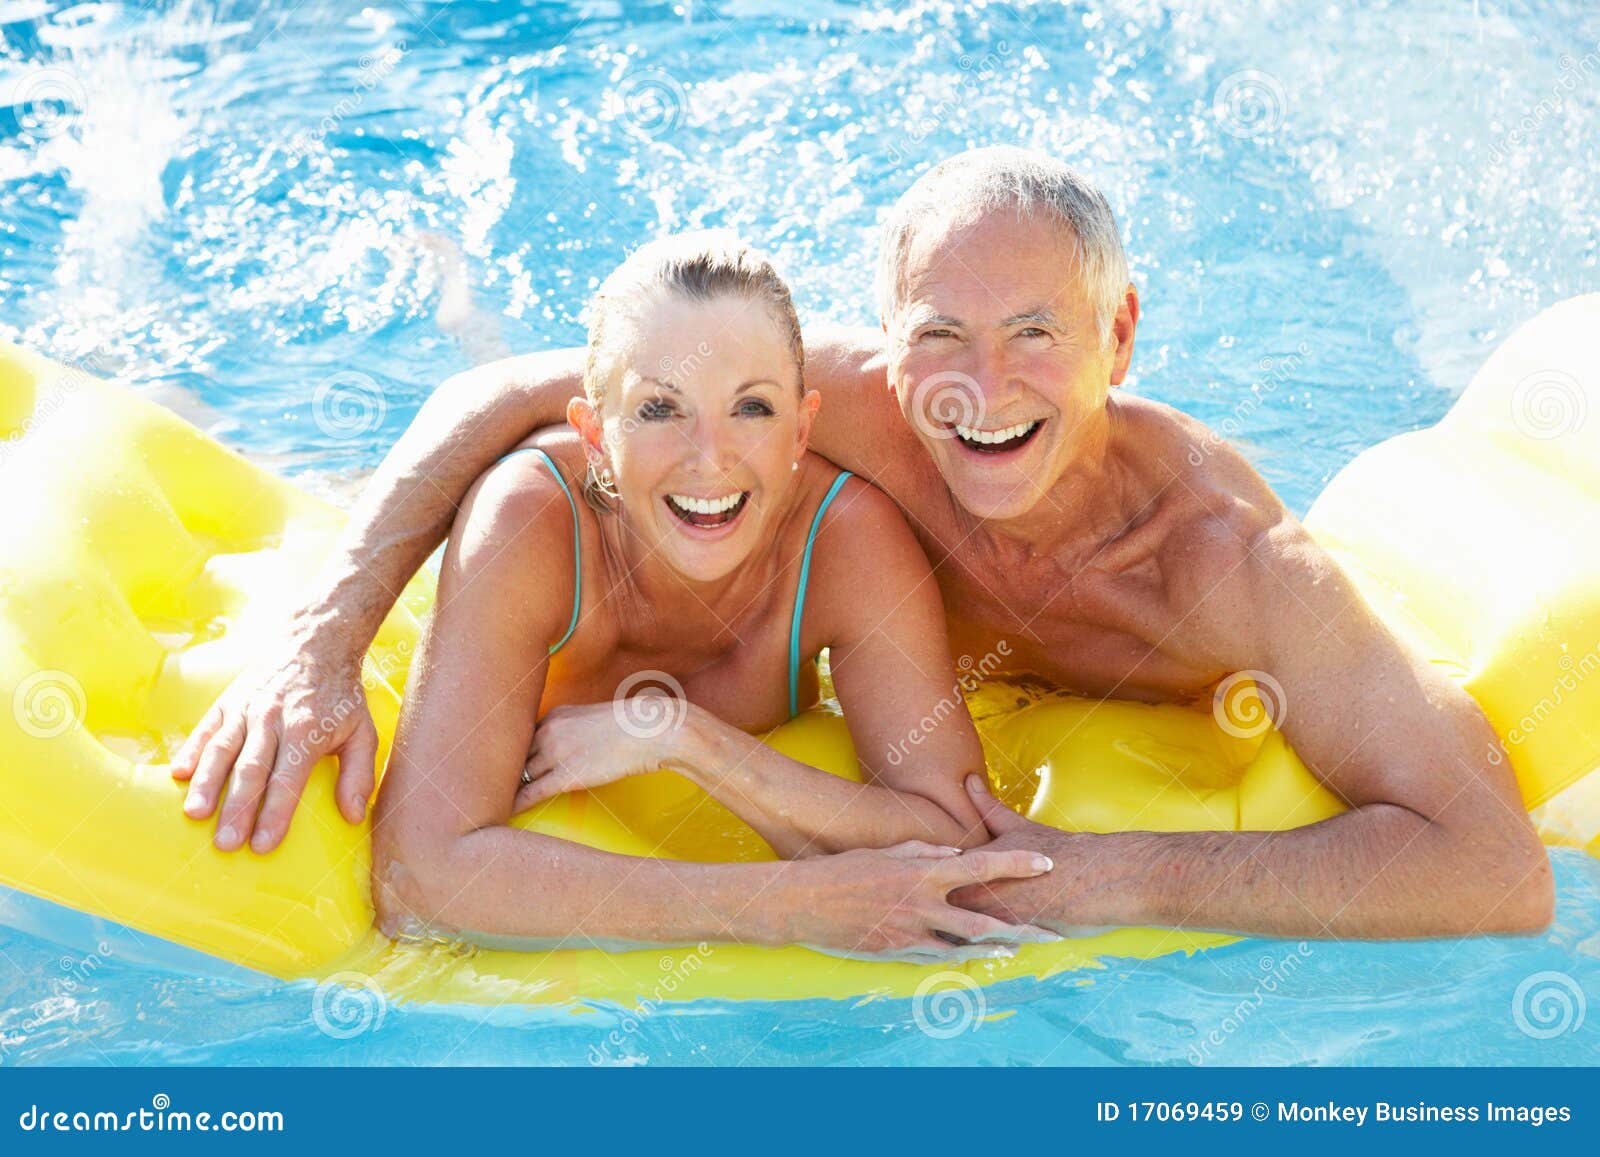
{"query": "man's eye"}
[(754, 408), (940, 332), (1033, 331), (655, 409)]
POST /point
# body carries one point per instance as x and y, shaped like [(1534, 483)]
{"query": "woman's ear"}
[(810, 402), (584, 418)]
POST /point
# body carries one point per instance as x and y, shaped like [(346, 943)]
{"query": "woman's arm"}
[(444, 856), (874, 604)]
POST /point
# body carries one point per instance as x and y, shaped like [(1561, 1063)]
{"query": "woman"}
[(711, 552)]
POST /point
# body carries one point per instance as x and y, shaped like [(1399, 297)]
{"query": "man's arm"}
[(1437, 842), (263, 736)]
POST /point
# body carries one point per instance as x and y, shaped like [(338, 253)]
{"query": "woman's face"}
[(702, 424)]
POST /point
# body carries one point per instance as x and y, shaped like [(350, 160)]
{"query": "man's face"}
[(996, 360)]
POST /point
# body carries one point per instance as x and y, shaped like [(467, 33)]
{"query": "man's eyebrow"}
[(929, 317), (1041, 316)]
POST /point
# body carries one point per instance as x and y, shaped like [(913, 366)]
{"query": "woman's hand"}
[(580, 747), (892, 903)]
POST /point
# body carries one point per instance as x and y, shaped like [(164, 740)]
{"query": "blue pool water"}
[(291, 223)]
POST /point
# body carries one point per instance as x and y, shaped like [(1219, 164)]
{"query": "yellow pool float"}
[(144, 564)]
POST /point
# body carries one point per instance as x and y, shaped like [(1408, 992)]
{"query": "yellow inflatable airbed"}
[(143, 564)]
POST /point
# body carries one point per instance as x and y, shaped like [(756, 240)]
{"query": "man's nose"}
[(991, 371)]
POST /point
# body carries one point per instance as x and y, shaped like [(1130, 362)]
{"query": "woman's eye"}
[(754, 408), (655, 409)]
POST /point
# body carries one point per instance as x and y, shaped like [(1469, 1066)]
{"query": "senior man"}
[(1076, 523)]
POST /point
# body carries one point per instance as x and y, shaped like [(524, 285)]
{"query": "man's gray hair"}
[(971, 185)]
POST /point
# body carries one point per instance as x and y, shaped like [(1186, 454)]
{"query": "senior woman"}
[(680, 529)]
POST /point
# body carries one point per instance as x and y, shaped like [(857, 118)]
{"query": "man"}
[(1080, 526)]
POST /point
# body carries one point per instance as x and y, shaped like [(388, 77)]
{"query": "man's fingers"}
[(250, 773), (183, 763), (286, 782), (938, 952), (358, 769), (920, 850), (997, 817), (212, 767), (981, 866)]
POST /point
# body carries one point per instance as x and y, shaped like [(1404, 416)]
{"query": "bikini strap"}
[(800, 594), (577, 551)]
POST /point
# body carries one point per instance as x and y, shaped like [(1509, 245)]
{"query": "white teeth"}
[(691, 505), (990, 437)]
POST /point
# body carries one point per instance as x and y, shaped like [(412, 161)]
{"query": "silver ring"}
[(526, 778)]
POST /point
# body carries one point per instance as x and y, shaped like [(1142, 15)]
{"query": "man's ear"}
[(1126, 321)]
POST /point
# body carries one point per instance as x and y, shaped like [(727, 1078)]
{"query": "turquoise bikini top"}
[(799, 594)]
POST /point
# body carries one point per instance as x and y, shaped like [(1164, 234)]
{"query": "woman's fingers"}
[(920, 850), (982, 867), (976, 928)]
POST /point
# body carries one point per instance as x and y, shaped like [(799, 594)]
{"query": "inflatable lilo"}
[(143, 564)]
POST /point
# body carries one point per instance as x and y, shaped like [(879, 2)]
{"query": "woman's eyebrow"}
[(646, 380), (754, 382)]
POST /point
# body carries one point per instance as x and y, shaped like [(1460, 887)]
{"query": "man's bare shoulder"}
[(860, 426), (1229, 548)]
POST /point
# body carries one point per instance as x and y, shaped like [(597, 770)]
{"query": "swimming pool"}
[(293, 225)]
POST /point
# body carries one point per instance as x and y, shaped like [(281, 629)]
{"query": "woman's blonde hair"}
[(701, 266)]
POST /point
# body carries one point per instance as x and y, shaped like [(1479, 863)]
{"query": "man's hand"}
[(1067, 901), (262, 738)]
